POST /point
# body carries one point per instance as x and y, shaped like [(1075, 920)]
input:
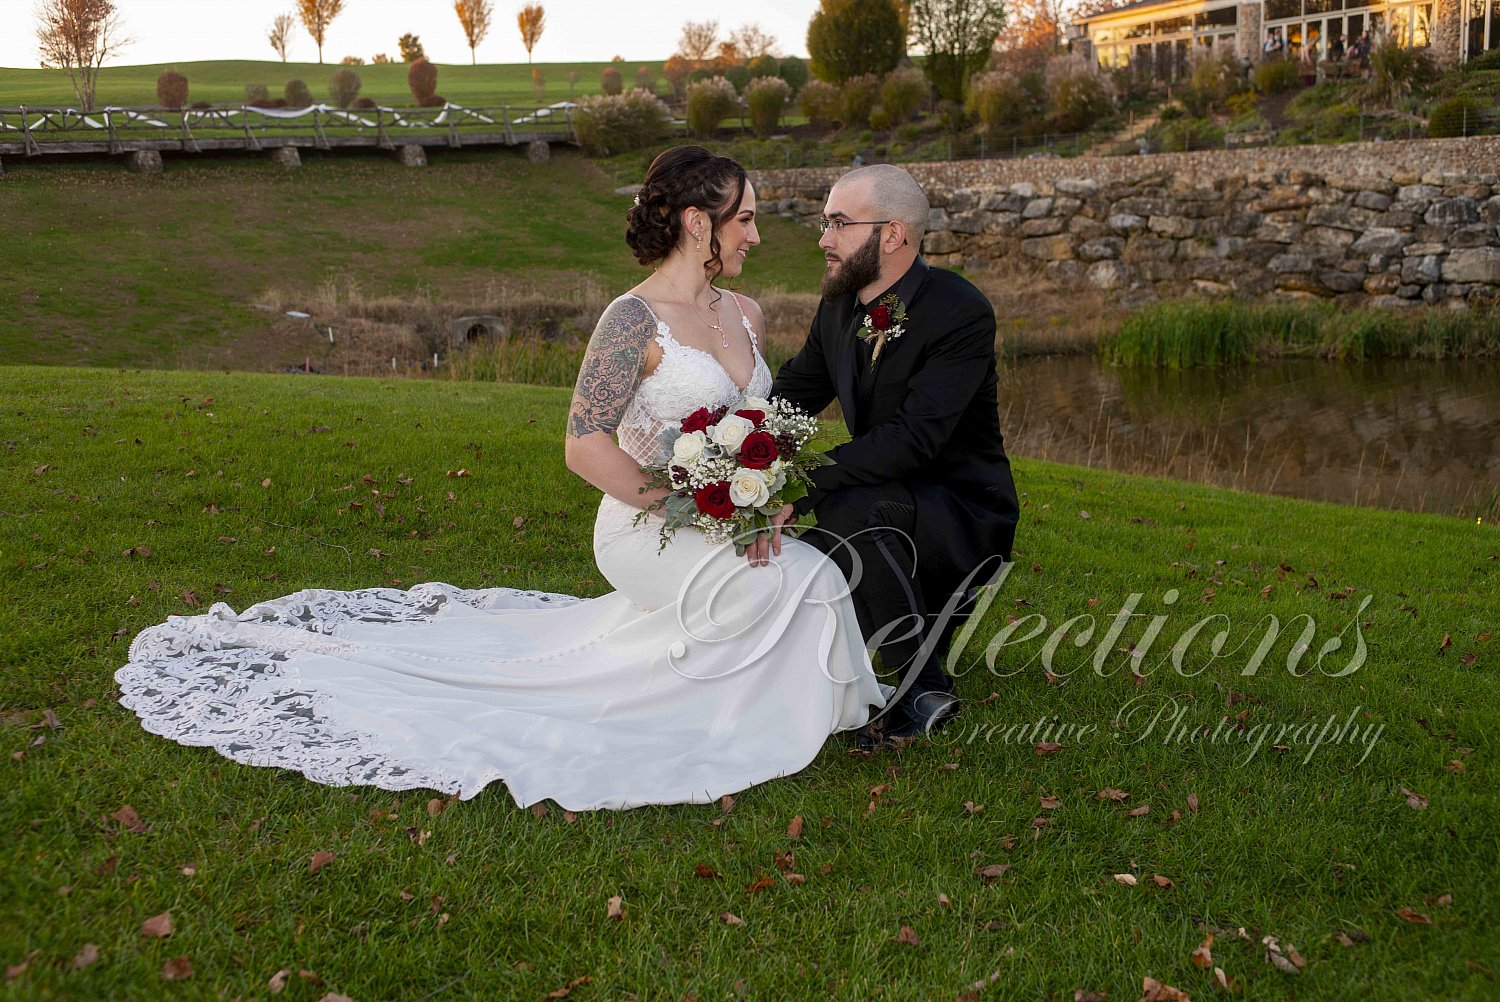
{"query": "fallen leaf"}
[(1414, 917), (557, 993), (730, 918), (972, 808), (615, 908), (1415, 801), (705, 871), (993, 872), (14, 971), (784, 861), (130, 820), (1165, 882), (908, 936), (85, 956), (794, 878), (190, 598), (1113, 794), (539, 810), (1047, 748), (942, 899), (1128, 879), (336, 997), (1441, 901), (570, 817), (1446, 643), (516, 523), (794, 829), (1138, 812), (1155, 991), (1202, 958), (1225, 983), (277, 984), (1051, 803), (1282, 963), (319, 860), (159, 926), (1079, 995), (761, 884), (177, 969), (1192, 802)]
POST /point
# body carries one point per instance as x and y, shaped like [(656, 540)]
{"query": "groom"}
[(926, 465)]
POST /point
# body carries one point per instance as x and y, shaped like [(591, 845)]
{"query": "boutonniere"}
[(884, 323)]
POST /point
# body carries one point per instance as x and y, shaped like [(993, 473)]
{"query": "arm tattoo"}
[(611, 367)]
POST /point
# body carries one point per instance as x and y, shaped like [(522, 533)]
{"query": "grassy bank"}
[(108, 268), (243, 487), (1181, 334), (224, 80)]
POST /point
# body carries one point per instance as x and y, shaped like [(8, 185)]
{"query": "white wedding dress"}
[(698, 676)]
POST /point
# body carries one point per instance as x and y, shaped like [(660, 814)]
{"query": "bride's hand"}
[(767, 544)]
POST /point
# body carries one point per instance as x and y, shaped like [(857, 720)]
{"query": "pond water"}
[(1420, 436)]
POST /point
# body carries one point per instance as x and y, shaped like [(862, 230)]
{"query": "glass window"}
[(1104, 35), (1398, 25), (1421, 25), (1172, 25), (1216, 18), (1323, 6), (1279, 9), (1494, 41), (1182, 58)]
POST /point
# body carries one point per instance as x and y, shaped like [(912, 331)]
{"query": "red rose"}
[(880, 318), (758, 451), (713, 499), (756, 418), (699, 420), (718, 414)]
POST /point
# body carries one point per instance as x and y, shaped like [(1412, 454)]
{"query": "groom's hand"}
[(767, 544)]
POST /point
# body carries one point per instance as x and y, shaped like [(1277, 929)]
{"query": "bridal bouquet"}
[(732, 469)]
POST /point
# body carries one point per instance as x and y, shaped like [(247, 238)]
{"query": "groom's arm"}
[(805, 380), (937, 396)]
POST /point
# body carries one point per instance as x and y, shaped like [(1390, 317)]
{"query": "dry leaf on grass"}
[(993, 872), (1414, 800), (130, 820), (277, 984), (1155, 991), (86, 956), (177, 969), (565, 990), (1202, 957), (794, 829), (730, 918), (1112, 794), (1412, 916), (615, 908), (159, 926), (1128, 879), (908, 936), (319, 860)]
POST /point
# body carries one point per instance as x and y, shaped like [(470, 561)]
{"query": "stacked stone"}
[(1396, 239)]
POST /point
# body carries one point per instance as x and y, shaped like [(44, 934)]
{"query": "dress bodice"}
[(686, 379)]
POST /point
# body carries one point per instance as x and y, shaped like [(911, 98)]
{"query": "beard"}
[(854, 272)]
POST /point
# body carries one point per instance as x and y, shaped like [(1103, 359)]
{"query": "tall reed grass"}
[(1187, 333)]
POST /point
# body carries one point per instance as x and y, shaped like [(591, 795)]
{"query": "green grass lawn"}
[(188, 253), (243, 488), (224, 80)]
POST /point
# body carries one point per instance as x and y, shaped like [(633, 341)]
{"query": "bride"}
[(703, 673)]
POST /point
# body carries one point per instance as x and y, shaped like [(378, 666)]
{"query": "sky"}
[(180, 31)]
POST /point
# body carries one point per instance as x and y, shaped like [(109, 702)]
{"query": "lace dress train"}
[(698, 676)]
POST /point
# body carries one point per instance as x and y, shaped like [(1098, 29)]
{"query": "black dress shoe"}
[(921, 713)]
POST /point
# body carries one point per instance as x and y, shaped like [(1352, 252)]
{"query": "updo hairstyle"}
[(680, 178)]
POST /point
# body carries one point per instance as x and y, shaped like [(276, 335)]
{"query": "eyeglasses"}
[(837, 225)]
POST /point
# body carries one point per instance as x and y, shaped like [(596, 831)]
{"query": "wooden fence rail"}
[(36, 131)]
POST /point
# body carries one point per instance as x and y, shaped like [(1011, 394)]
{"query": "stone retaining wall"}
[(1388, 223)]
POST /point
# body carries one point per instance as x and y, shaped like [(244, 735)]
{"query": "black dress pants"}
[(868, 531)]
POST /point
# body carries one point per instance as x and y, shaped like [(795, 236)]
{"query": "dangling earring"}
[(698, 234)]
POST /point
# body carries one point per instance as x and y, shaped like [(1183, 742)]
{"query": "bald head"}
[(893, 192)]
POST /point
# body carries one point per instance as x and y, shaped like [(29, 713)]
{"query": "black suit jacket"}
[(928, 419)]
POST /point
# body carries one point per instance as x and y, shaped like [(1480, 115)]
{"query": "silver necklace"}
[(723, 338)]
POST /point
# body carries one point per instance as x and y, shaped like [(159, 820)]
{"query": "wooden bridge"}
[(26, 131)]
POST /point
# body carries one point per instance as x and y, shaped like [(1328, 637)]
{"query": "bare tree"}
[(698, 40), (753, 41), (316, 16), (531, 19), (281, 33), (474, 16), (77, 36)]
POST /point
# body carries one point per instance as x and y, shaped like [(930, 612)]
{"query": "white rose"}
[(749, 488), (731, 431), (756, 404), (688, 447)]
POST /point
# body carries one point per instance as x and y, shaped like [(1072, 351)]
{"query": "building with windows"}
[(1158, 39)]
